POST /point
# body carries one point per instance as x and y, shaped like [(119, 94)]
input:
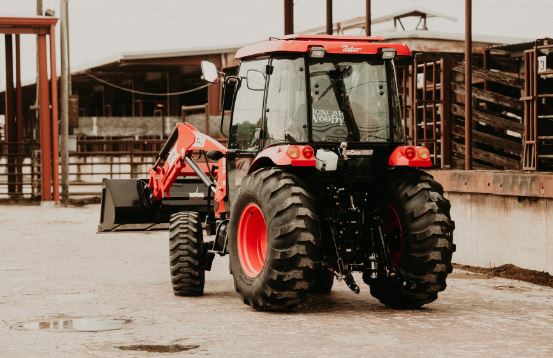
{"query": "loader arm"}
[(176, 156)]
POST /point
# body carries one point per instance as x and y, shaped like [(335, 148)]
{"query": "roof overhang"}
[(187, 52)]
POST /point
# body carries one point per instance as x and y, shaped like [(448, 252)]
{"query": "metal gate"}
[(423, 98)]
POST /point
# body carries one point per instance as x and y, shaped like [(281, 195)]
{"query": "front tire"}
[(186, 253), (273, 240), (420, 241)]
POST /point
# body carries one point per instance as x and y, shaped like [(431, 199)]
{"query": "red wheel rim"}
[(393, 233), (252, 240)]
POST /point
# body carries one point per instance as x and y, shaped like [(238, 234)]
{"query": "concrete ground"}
[(53, 266)]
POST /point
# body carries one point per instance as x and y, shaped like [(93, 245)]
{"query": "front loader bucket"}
[(126, 204)]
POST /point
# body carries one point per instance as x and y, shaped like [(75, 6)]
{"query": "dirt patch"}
[(159, 348), (20, 202), (465, 275), (512, 272)]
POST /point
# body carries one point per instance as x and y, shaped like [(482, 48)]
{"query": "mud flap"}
[(126, 204)]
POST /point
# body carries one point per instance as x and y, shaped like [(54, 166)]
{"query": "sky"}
[(103, 29)]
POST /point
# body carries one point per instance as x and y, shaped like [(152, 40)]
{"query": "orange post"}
[(55, 125), (44, 119)]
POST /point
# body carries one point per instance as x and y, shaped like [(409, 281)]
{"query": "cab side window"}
[(287, 102), (247, 116)]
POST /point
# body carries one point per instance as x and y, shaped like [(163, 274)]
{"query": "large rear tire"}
[(273, 240), (419, 232), (186, 254)]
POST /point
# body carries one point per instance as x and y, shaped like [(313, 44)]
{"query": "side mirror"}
[(209, 72), (255, 80)]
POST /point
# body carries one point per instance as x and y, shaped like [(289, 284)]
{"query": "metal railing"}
[(19, 170)]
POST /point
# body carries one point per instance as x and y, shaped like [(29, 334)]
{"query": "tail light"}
[(424, 153), (410, 156), (293, 152), (410, 153), (308, 152)]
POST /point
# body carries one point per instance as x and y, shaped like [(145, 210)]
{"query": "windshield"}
[(354, 100)]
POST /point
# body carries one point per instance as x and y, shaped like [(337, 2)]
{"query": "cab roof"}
[(347, 45)]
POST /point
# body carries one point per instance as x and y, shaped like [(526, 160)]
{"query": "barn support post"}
[(329, 25), (468, 84), (288, 17), (368, 17), (19, 116), (10, 126)]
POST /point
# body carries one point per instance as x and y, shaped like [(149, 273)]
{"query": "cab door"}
[(246, 121)]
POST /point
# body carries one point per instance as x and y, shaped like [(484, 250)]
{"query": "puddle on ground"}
[(159, 348), (74, 325)]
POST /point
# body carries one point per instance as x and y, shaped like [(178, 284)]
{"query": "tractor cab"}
[(325, 95)]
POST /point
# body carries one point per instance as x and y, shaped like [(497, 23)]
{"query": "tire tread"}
[(186, 254)]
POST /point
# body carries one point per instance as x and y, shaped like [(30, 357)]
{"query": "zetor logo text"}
[(348, 48)]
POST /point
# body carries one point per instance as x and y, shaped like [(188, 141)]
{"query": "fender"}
[(284, 155)]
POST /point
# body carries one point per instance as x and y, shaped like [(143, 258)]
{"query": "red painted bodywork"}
[(189, 140), (398, 158), (279, 157), (347, 45)]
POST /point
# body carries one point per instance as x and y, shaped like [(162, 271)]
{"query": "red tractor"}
[(316, 182)]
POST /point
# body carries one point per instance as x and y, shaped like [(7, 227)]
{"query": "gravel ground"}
[(54, 267)]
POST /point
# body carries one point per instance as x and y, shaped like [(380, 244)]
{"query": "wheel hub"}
[(252, 240)]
